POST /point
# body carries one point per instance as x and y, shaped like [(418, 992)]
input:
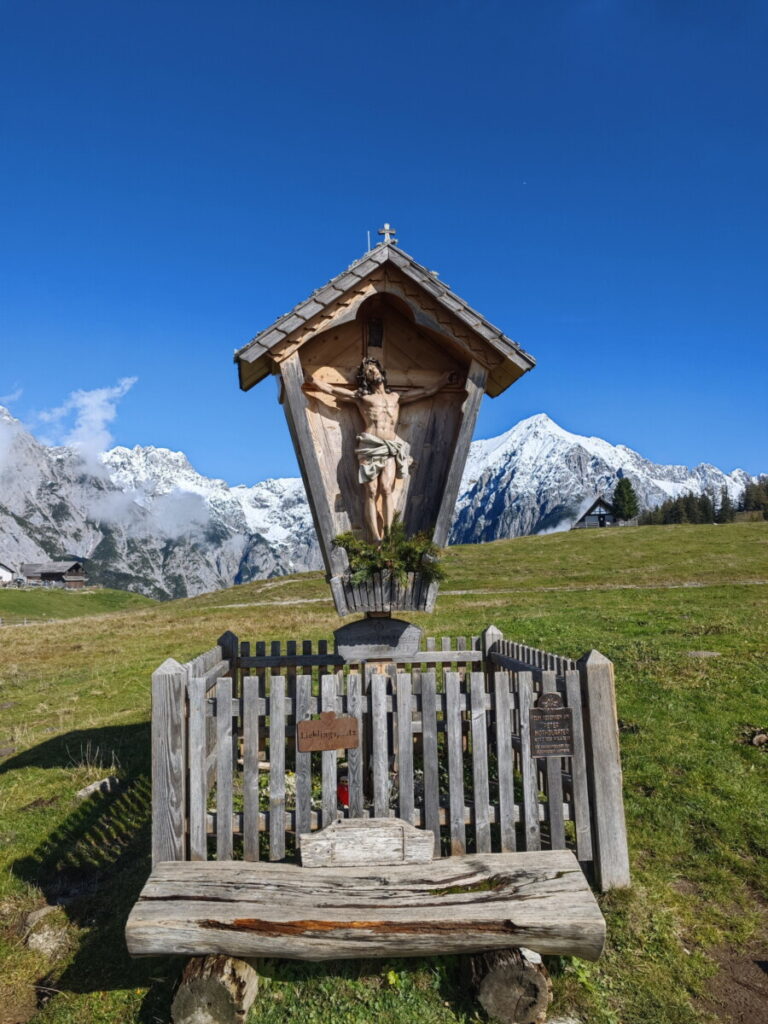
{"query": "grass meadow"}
[(682, 612)]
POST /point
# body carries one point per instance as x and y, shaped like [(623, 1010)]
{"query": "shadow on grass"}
[(95, 863)]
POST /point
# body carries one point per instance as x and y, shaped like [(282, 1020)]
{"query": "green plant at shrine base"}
[(397, 554)]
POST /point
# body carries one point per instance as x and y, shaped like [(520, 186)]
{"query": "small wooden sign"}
[(551, 727), (329, 732)]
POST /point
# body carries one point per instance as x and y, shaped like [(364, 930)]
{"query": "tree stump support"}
[(215, 990), (512, 985)]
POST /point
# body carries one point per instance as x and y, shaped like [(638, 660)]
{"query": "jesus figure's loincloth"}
[(374, 453)]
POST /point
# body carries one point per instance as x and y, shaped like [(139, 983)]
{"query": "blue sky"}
[(591, 176)]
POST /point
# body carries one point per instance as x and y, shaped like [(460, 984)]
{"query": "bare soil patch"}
[(738, 993)]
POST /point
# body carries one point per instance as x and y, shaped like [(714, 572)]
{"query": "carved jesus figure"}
[(383, 457)]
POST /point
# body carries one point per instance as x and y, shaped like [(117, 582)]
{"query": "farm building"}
[(55, 574), (601, 513), (7, 574)]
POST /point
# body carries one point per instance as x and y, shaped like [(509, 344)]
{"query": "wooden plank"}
[(303, 760), (604, 771), (169, 763), (480, 763), (532, 833), (475, 387), (198, 787), (354, 842), (554, 771), (404, 747), (328, 757), (355, 757), (455, 764), (200, 665), (447, 657), (289, 818), (380, 752), (579, 780), (224, 768), (430, 766), (505, 761), (251, 768), (276, 767), (541, 901), (305, 446)]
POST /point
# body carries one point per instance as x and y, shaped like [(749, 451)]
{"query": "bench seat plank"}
[(453, 905)]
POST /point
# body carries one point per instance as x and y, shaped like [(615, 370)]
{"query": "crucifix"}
[(383, 457)]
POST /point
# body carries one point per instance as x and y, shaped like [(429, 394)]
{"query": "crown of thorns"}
[(363, 385)]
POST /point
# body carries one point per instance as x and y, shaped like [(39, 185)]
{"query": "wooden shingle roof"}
[(32, 568), (254, 361)]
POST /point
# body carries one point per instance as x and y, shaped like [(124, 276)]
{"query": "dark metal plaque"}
[(328, 732), (551, 727)]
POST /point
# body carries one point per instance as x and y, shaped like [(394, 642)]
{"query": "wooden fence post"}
[(488, 638), (230, 650), (604, 771), (169, 762)]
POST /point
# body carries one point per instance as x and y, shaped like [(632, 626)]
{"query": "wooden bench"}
[(356, 907), (446, 744), (452, 905)]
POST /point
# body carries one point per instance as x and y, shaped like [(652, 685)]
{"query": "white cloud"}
[(176, 514), (12, 396), (82, 421)]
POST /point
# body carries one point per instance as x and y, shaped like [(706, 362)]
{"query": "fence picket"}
[(303, 760), (554, 780), (251, 767), (198, 784), (328, 757), (405, 747), (579, 781), (355, 756), (378, 693), (455, 763), (224, 769), (505, 762), (480, 763), (527, 764), (429, 752), (277, 768)]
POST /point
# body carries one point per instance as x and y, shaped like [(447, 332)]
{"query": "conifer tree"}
[(726, 511), (625, 503)]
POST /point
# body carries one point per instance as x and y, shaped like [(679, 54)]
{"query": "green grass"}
[(74, 703), (39, 604)]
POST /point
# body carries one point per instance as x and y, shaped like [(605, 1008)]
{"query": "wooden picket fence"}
[(445, 744)]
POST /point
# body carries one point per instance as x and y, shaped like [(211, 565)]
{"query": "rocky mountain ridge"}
[(147, 521)]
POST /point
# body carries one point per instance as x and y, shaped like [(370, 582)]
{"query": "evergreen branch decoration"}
[(397, 554)]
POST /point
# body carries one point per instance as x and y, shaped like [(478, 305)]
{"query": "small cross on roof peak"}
[(389, 234)]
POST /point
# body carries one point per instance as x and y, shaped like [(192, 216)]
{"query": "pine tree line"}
[(705, 508), (755, 497)]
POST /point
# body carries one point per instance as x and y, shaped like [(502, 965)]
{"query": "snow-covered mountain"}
[(537, 478), (146, 520)]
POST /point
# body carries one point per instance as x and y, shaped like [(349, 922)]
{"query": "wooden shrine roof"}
[(253, 359)]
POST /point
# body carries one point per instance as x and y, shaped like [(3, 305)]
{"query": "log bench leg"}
[(214, 990), (511, 985)]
